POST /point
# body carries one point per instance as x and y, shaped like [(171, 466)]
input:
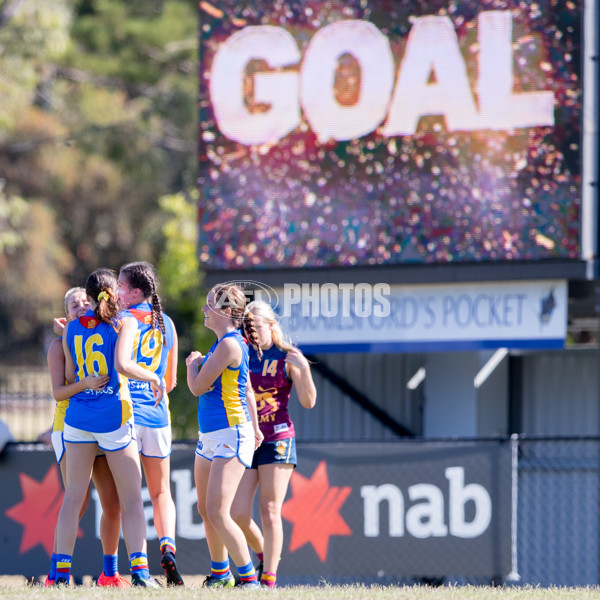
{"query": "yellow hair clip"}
[(103, 296)]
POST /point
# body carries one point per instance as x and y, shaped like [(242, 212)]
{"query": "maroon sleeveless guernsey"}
[(272, 388)]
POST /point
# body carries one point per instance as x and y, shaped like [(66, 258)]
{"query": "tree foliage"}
[(180, 283), (97, 123)]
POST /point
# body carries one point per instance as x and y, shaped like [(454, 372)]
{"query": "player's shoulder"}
[(55, 346), (125, 318), (124, 314), (229, 345), (274, 352), (229, 341)]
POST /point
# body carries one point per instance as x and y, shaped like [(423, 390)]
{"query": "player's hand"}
[(160, 391), (194, 358), (59, 325), (258, 437), (96, 382), (295, 358)]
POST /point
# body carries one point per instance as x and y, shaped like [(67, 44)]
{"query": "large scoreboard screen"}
[(354, 133)]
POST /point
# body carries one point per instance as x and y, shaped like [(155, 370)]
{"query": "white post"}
[(514, 577)]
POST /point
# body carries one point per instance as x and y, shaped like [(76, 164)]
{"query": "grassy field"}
[(12, 588)]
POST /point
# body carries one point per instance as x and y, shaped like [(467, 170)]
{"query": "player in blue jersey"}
[(76, 305), (273, 372), (228, 431), (99, 343), (155, 349)]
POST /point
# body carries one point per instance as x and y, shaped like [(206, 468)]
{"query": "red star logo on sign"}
[(38, 511), (314, 511)]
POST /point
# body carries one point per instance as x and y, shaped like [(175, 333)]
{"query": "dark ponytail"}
[(101, 287)]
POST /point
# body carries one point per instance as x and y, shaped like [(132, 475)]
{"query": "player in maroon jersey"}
[(272, 376)]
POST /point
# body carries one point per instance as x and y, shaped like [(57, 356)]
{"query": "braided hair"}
[(229, 295), (259, 308), (141, 275), (101, 287)]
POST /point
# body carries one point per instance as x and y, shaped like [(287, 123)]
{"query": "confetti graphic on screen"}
[(356, 133)]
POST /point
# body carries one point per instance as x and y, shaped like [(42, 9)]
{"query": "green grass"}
[(17, 588)]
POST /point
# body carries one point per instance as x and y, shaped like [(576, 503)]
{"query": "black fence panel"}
[(523, 510)]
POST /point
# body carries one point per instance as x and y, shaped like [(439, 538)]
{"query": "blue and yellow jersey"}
[(151, 352), (58, 424), (59, 415), (92, 346), (224, 405)]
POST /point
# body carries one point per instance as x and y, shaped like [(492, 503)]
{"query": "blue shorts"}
[(281, 452)]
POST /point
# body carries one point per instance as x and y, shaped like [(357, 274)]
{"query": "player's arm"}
[(171, 373), (57, 366), (69, 372), (124, 362), (251, 402), (298, 369)]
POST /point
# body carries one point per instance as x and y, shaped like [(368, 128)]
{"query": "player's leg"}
[(110, 524), (125, 467), (274, 480), (158, 474), (220, 575), (80, 458), (225, 476), (241, 510)]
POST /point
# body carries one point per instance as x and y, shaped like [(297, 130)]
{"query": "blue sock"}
[(247, 572), (52, 574), (167, 544), (138, 563), (110, 562), (63, 566), (219, 570)]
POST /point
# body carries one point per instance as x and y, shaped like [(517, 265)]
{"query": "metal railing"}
[(26, 401)]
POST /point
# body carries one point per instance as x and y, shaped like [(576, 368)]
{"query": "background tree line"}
[(97, 161)]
